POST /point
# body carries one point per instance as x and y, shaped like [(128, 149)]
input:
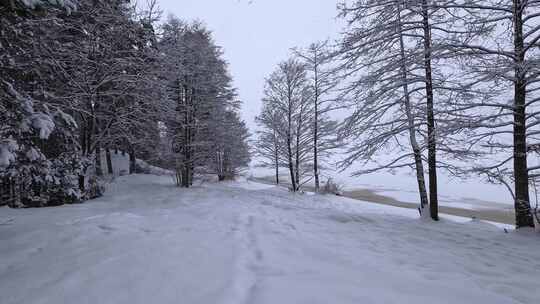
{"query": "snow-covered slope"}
[(146, 241)]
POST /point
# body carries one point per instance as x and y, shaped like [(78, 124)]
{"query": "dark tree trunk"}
[(276, 158), (132, 160), (82, 187), (97, 149), (291, 166), (297, 157), (99, 166), (315, 150), (90, 131), (277, 169), (289, 144), (521, 175), (109, 161), (432, 146), (84, 151), (297, 171), (316, 128), (83, 141), (289, 155)]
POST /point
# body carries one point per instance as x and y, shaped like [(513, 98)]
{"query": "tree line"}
[(428, 85), (79, 79)]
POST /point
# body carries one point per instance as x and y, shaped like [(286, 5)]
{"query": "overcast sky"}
[(256, 36)]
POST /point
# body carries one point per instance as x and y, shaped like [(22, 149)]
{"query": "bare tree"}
[(270, 145), (317, 59), (287, 92), (505, 59), (386, 58)]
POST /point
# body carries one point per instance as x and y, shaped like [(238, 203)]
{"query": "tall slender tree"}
[(322, 82)]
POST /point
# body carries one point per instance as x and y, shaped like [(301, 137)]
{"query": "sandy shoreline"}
[(369, 195)]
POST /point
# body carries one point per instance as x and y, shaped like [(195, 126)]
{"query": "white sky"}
[(256, 35)]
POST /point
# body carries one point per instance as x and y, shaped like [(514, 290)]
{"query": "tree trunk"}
[(82, 187), (189, 143), (97, 149), (297, 156), (220, 165), (291, 166), (521, 175), (14, 193), (432, 146), (316, 126), (109, 161), (289, 139), (289, 154), (297, 171), (91, 130), (84, 152), (277, 174), (99, 166), (419, 166), (82, 134), (132, 160), (276, 157)]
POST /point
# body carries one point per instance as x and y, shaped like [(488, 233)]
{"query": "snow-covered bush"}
[(64, 188), (96, 188), (331, 187)]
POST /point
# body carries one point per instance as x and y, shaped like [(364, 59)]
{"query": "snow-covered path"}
[(149, 242)]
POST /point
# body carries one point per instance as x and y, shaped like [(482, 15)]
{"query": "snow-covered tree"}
[(289, 95), (270, 146), (322, 82), (73, 80), (230, 151), (199, 98), (502, 62), (33, 116), (394, 66)]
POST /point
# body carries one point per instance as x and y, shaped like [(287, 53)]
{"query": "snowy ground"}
[(149, 242)]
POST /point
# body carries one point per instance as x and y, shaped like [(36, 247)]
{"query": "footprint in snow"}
[(106, 228), (7, 222)]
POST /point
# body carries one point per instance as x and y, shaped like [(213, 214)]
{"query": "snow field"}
[(241, 242)]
